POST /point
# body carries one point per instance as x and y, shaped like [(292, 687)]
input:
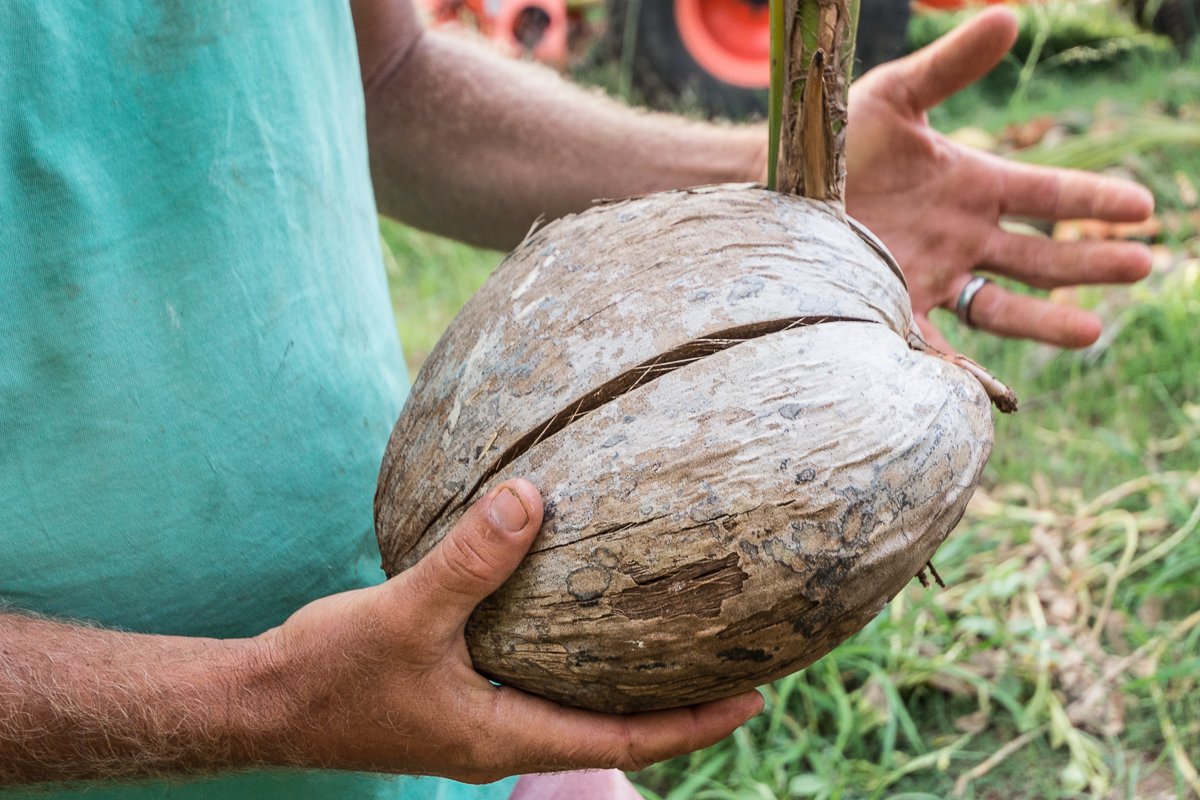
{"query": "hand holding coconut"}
[(937, 204), (383, 682)]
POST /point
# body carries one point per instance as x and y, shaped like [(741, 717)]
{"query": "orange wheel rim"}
[(729, 39), (955, 5)]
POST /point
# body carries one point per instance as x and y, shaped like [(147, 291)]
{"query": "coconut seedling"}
[(744, 445)]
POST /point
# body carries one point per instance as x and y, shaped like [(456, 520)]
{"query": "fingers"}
[(955, 61), (553, 737), (1046, 264), (644, 739), (1006, 313), (474, 558), (1049, 193)]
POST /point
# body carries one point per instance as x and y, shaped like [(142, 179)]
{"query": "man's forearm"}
[(475, 146), (79, 703)]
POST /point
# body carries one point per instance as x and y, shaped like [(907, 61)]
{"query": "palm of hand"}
[(927, 188), (938, 205)]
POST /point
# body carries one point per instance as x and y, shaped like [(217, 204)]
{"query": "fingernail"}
[(508, 512)]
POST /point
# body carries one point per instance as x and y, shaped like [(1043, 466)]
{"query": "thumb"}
[(478, 554), (956, 60)]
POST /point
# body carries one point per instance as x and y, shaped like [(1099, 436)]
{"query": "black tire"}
[(665, 72), (882, 32), (1174, 18)]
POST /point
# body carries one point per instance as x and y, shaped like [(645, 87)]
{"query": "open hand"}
[(382, 680), (937, 204)]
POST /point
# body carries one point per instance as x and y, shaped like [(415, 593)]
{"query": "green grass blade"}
[(775, 99)]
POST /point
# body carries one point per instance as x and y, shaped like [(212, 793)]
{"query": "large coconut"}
[(744, 447)]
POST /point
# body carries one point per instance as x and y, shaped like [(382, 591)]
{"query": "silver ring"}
[(962, 307)]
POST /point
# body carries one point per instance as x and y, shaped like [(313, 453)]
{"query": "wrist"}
[(720, 153), (263, 722)]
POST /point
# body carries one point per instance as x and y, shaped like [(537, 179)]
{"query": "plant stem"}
[(775, 99), (818, 54)]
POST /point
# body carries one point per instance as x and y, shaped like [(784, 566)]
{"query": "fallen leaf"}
[(1026, 134), (1150, 612), (1077, 230), (1187, 190), (976, 722), (976, 138)]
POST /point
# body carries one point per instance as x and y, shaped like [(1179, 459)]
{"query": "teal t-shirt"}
[(198, 362)]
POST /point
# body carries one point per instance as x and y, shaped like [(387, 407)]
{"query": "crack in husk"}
[(625, 526), (626, 382)]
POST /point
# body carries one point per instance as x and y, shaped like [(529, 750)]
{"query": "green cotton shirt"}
[(199, 367)]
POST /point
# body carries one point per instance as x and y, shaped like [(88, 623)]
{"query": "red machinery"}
[(729, 39), (517, 27), (714, 52)]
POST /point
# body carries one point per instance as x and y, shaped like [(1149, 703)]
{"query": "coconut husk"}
[(744, 446)]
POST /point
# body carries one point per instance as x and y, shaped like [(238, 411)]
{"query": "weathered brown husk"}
[(743, 450)]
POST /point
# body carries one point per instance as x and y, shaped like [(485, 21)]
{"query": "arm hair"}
[(475, 146), (83, 703)]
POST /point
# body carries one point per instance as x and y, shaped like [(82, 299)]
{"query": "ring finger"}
[(1005, 313)]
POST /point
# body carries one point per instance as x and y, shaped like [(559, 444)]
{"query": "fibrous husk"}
[(743, 449)]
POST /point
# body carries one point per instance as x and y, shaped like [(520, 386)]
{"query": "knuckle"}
[(986, 307), (581, 753), (633, 753), (467, 560)]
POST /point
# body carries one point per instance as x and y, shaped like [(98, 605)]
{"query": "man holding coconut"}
[(199, 373)]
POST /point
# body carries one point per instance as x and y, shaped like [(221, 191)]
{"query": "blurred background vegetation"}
[(1063, 658)]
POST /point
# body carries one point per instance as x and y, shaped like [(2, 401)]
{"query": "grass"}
[(429, 278), (1125, 408), (1063, 658)]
